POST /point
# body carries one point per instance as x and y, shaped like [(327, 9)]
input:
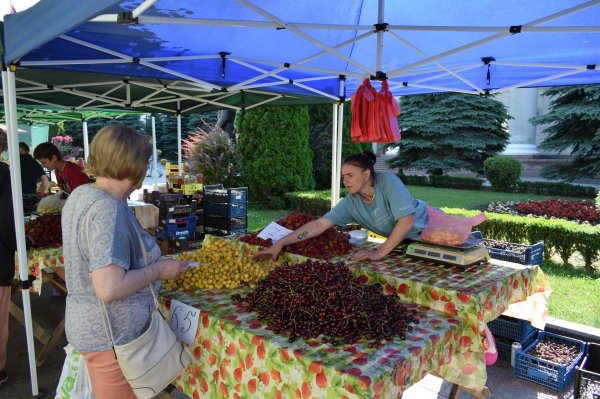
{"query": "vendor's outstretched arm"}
[(309, 230), (403, 226)]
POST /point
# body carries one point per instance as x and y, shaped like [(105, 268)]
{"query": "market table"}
[(237, 357), (476, 294), (43, 264)]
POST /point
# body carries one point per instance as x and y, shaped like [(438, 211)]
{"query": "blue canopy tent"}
[(240, 53)]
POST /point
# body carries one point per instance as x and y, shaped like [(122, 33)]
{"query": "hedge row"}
[(560, 236), (446, 181), (529, 187), (549, 188)]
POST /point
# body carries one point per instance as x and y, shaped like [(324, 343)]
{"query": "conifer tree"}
[(573, 126), (443, 132), (321, 119), (276, 157)]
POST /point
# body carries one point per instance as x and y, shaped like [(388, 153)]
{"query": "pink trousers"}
[(108, 381)]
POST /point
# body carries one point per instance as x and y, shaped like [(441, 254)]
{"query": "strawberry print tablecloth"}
[(476, 294), (39, 259), (238, 358)]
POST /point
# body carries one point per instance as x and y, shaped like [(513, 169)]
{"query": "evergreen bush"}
[(444, 132), (276, 157), (321, 118), (502, 172), (572, 125)]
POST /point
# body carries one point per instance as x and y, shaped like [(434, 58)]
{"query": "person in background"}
[(378, 202), (8, 246), (31, 172), (104, 258), (69, 175)]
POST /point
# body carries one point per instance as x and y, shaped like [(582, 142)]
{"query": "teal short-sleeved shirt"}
[(392, 202)]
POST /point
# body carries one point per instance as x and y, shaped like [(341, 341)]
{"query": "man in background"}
[(69, 175), (31, 172)]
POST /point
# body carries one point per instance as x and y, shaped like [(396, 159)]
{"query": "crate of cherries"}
[(517, 253), (550, 360)]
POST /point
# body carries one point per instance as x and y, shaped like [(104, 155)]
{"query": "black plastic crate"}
[(224, 223), (169, 212), (226, 210), (504, 345), (219, 195), (552, 375), (587, 376), (514, 329), (530, 255), (224, 232)]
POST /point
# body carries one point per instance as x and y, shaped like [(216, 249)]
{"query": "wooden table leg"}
[(48, 341), (454, 391)]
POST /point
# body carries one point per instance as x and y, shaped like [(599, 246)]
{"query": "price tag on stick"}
[(184, 321), (274, 231)]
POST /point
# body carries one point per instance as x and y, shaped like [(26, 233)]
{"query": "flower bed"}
[(577, 211)]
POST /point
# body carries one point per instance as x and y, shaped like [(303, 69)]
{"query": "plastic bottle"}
[(516, 347)]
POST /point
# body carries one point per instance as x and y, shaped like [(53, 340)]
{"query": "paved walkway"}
[(47, 310)]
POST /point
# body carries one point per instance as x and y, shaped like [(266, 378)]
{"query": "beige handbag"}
[(154, 359)]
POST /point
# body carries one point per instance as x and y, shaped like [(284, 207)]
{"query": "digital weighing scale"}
[(465, 255)]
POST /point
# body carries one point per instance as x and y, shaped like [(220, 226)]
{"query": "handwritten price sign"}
[(274, 231), (184, 321)]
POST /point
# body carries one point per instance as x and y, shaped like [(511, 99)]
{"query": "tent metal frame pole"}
[(314, 26), (10, 109), (106, 93), (149, 96), (340, 139), (181, 58), (302, 61), (154, 155), (72, 62), (264, 102), (86, 141), (211, 102), (334, 181), (199, 82), (549, 66), (188, 97), (536, 81), (439, 88), (380, 20), (142, 8), (322, 93), (304, 67), (304, 35), (494, 37), (179, 164), (440, 75), (448, 70)]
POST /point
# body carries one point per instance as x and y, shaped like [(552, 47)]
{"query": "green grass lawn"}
[(467, 199), (575, 289), (575, 293)]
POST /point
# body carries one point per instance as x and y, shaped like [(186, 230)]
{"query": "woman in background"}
[(104, 258)]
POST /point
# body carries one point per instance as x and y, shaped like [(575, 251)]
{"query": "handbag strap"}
[(103, 311)]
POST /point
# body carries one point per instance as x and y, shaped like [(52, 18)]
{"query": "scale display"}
[(459, 256)]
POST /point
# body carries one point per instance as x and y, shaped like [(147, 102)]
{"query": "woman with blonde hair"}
[(104, 258)]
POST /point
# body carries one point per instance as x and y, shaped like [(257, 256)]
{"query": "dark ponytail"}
[(364, 160)]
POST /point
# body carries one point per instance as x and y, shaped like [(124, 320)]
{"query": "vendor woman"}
[(378, 202)]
